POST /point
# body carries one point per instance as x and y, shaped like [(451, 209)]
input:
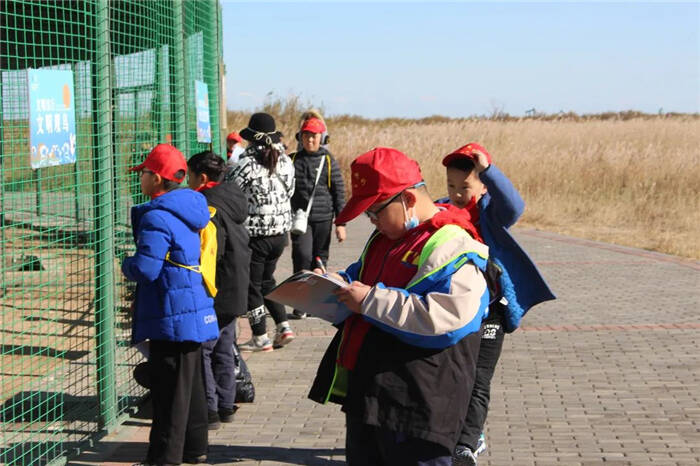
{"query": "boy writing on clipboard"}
[(399, 364)]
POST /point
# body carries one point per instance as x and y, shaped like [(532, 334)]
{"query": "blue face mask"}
[(412, 221)]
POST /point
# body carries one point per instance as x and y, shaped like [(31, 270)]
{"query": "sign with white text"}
[(201, 97), (52, 135)]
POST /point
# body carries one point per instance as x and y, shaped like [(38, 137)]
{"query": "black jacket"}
[(329, 197), (233, 253), (402, 388)]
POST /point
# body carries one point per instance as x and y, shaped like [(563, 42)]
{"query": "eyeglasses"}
[(374, 215), (145, 170)]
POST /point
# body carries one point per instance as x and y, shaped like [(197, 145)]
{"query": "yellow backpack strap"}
[(193, 268), (328, 162), (208, 253)]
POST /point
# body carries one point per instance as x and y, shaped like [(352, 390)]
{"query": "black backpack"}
[(245, 390)]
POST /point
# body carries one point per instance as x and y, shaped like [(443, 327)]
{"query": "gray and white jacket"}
[(269, 210)]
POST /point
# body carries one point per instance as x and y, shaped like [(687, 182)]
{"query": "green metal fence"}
[(65, 355)]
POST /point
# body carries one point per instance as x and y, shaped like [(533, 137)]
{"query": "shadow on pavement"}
[(40, 406), (220, 454), (133, 452)]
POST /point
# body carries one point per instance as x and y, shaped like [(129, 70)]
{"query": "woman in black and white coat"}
[(266, 175)]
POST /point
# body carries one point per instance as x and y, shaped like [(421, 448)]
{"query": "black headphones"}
[(325, 140)]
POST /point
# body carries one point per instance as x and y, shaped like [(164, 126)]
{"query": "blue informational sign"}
[(52, 134), (201, 97)]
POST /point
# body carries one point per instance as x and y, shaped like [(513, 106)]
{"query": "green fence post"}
[(164, 82), (213, 66), (179, 103), (76, 201), (76, 176), (156, 102), (103, 192), (221, 72), (37, 181), (3, 256)]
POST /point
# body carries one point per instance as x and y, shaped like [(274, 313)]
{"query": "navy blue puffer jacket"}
[(171, 301)]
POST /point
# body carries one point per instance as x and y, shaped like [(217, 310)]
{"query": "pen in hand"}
[(320, 265)]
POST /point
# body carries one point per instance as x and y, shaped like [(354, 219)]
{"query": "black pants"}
[(315, 242), (219, 367), (367, 445), (179, 426), (489, 353), (265, 252)]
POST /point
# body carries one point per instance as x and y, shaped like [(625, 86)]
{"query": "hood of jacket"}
[(188, 206), (228, 200)]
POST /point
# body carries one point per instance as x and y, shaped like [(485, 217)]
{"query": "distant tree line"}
[(287, 111)]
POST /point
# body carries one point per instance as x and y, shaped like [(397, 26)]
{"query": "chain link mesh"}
[(65, 354)]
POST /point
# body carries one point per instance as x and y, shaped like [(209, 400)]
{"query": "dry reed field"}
[(634, 182)]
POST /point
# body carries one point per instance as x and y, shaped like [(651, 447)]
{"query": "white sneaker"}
[(261, 343), (463, 456), (480, 445), (283, 337)]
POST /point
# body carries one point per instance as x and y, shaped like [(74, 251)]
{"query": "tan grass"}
[(634, 182)]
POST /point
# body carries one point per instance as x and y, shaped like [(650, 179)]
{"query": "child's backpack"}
[(208, 251), (208, 254)]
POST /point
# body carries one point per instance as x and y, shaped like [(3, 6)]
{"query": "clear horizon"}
[(413, 60)]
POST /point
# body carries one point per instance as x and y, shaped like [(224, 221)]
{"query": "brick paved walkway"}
[(608, 373)]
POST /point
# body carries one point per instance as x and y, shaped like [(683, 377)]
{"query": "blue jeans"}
[(218, 366)]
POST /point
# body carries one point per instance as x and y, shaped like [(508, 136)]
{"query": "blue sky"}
[(458, 59)]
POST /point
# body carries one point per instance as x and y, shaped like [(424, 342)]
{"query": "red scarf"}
[(466, 217), (473, 208), (207, 185)]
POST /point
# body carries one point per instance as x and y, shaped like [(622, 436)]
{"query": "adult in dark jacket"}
[(327, 197), (229, 209)]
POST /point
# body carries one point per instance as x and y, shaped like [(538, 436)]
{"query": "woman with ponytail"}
[(266, 176)]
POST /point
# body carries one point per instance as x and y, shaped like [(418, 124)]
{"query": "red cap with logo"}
[(234, 136), (466, 152), (313, 125), (376, 176), (165, 160)]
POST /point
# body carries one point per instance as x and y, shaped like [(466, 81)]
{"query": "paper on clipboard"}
[(312, 293)]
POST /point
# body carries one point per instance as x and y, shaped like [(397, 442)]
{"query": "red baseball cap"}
[(165, 160), (466, 152), (234, 136), (376, 176), (313, 125)]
